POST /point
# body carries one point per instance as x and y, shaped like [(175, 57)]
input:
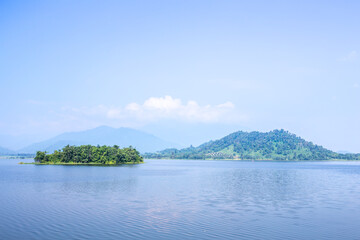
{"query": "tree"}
[(91, 154)]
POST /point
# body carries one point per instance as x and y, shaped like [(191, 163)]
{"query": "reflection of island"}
[(92, 155)]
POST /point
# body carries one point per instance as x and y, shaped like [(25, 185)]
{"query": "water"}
[(181, 199)]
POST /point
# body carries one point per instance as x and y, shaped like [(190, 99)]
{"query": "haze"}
[(186, 71)]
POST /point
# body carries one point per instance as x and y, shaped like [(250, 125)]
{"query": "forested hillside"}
[(273, 145)]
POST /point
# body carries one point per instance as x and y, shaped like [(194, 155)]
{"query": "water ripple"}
[(181, 200)]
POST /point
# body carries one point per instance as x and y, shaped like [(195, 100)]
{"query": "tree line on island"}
[(273, 145), (87, 154)]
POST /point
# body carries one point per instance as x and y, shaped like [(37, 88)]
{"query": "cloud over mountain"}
[(157, 108)]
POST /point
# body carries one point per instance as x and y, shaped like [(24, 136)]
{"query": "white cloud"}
[(157, 108), (356, 85), (352, 56), (136, 115), (166, 103)]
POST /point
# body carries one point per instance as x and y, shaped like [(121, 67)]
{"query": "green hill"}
[(273, 145)]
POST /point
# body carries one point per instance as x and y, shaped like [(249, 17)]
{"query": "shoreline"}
[(81, 164), (189, 159), (258, 160)]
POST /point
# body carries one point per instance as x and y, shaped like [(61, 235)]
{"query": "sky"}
[(186, 71)]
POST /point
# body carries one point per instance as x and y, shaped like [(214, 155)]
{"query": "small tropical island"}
[(89, 155)]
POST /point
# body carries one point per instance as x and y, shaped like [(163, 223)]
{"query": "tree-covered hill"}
[(273, 145)]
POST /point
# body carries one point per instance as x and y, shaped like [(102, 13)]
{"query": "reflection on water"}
[(174, 199)]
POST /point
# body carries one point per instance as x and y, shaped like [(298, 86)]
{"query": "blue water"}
[(181, 199)]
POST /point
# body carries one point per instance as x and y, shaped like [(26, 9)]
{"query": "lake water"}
[(181, 199)]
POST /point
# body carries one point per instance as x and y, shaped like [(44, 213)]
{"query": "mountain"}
[(5, 151), (343, 152), (103, 135), (273, 145), (19, 141)]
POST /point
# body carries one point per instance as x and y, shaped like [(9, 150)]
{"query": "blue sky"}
[(183, 70)]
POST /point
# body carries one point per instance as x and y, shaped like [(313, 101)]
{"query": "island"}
[(89, 155), (278, 145)]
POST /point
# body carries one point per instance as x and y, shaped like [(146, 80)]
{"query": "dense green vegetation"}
[(87, 154), (274, 145)]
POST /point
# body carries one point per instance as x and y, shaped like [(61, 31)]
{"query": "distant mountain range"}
[(5, 151), (273, 145), (124, 137), (19, 141)]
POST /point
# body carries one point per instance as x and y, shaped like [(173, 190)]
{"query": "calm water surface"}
[(181, 199)]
